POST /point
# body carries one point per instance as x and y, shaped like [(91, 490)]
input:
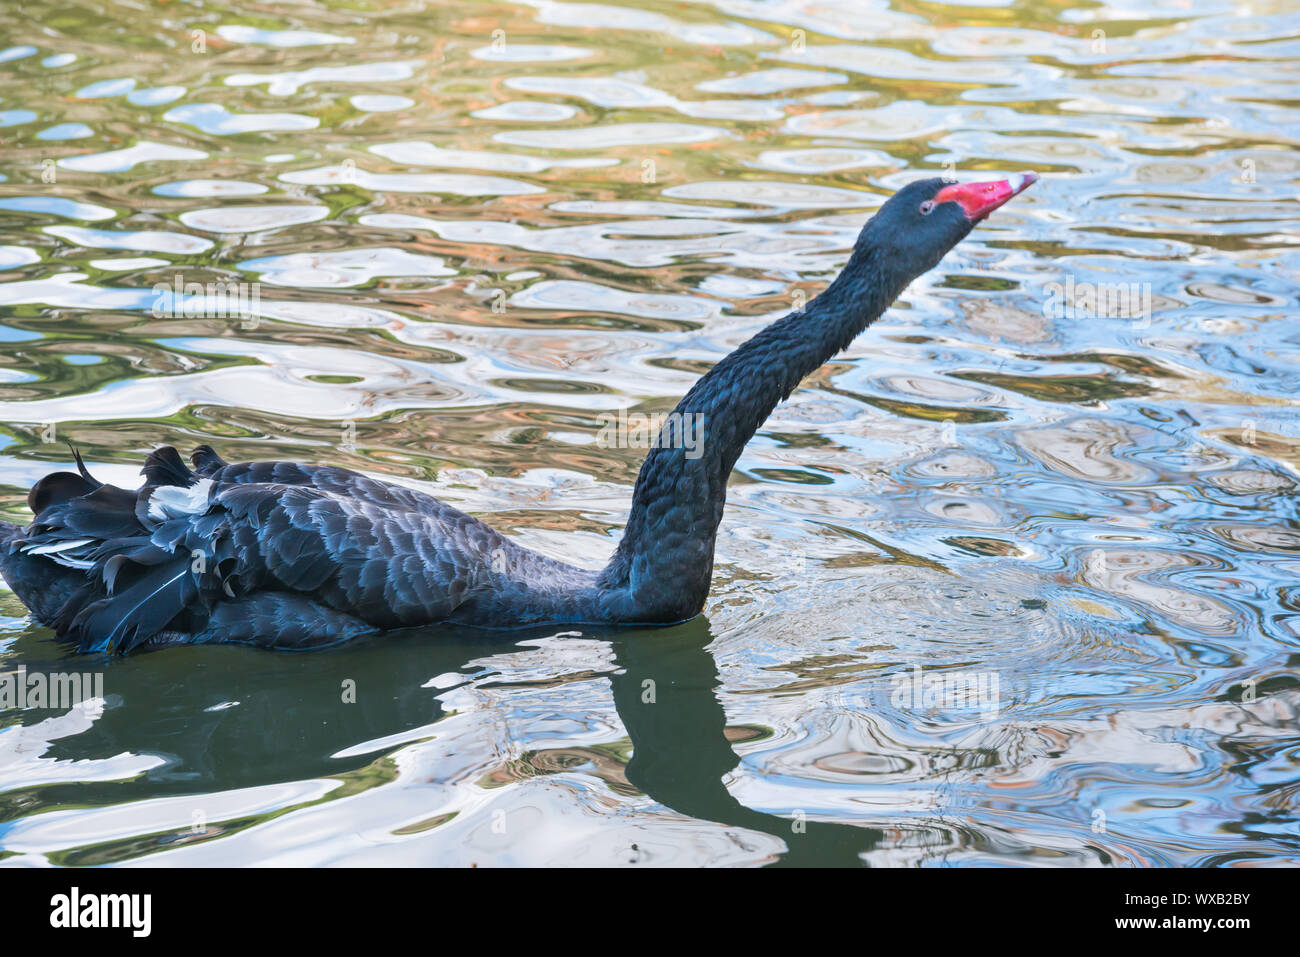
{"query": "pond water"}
[(471, 232)]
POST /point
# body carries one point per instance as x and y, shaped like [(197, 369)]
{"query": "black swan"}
[(283, 555)]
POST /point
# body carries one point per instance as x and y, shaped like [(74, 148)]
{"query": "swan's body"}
[(297, 556)]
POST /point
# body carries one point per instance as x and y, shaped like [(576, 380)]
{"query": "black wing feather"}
[(321, 553)]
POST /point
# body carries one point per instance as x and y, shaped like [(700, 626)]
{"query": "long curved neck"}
[(661, 569)]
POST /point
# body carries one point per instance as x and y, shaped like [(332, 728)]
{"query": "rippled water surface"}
[(475, 228)]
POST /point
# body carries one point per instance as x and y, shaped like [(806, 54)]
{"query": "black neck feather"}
[(663, 564)]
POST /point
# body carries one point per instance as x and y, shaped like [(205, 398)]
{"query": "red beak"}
[(980, 199)]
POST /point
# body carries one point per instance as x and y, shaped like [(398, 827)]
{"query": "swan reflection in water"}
[(283, 722), (681, 753)]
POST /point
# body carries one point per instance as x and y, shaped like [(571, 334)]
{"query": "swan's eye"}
[(926, 207)]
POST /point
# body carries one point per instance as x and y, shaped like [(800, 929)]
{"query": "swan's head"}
[(922, 221)]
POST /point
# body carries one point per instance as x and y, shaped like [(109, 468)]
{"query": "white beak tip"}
[(1022, 181)]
